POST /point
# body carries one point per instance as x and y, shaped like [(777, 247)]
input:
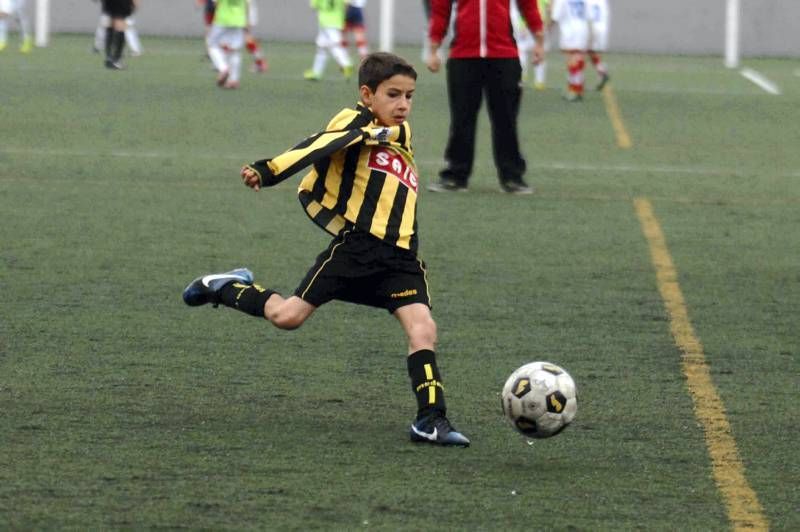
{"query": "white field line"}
[(760, 80), (243, 158), (690, 90), (555, 165)]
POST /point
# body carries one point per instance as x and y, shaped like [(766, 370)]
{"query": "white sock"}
[(540, 72), (217, 57), (340, 55), (235, 60), (132, 37), (100, 32), (24, 24), (319, 61)]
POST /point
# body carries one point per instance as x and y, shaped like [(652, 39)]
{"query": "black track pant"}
[(467, 81)]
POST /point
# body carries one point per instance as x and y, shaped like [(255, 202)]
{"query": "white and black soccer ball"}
[(540, 399)]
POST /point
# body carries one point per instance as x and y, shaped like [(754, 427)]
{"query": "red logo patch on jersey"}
[(392, 163)]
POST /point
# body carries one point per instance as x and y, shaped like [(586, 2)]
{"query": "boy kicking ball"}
[(362, 188)]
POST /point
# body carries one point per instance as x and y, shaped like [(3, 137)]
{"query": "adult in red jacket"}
[(483, 59)]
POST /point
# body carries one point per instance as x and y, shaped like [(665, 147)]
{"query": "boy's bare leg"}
[(418, 325), (575, 64), (431, 424), (287, 313), (600, 67), (236, 289)]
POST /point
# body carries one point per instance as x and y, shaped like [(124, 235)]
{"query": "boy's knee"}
[(423, 332), (285, 319), (287, 313)]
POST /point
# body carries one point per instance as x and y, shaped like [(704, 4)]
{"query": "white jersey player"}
[(15, 9), (526, 42), (583, 26)]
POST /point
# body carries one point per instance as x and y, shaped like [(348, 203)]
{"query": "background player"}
[(225, 41), (118, 11), (583, 27), (526, 43), (15, 9), (252, 44), (354, 23), (540, 68), (131, 34), (599, 18), (330, 17)]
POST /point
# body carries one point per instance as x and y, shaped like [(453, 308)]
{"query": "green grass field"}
[(121, 408)]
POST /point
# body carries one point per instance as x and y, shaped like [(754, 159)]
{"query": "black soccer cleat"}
[(604, 78), (447, 185), (517, 187), (435, 428), (206, 289), (114, 65)]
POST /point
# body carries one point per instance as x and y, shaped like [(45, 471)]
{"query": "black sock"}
[(426, 382), (109, 42), (249, 298), (119, 45)]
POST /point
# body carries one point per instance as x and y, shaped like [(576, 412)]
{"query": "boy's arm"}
[(270, 172)]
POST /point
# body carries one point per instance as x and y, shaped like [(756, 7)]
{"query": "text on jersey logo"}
[(393, 163)]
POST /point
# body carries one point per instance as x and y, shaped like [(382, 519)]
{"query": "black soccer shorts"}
[(359, 268), (118, 8)]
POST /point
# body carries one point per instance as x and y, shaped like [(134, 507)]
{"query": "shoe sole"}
[(436, 188), (418, 439), (418, 436)]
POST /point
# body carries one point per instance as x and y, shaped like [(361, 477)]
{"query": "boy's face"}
[(391, 101)]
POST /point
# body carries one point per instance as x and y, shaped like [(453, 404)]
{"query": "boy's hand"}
[(251, 178)]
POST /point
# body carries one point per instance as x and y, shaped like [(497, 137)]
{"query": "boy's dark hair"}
[(380, 66)]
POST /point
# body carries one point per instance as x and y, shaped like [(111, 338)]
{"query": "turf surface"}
[(122, 408)]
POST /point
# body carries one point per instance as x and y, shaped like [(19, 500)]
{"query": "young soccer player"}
[(330, 17), (583, 28), (252, 44), (131, 35), (118, 11), (354, 23), (15, 9), (540, 70), (599, 20), (362, 188), (225, 41)]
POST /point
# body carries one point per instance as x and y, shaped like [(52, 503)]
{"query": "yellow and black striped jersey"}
[(363, 176)]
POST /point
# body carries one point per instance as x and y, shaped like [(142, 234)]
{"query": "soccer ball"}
[(540, 399)]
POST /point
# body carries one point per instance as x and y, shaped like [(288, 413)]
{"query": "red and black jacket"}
[(482, 27)]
